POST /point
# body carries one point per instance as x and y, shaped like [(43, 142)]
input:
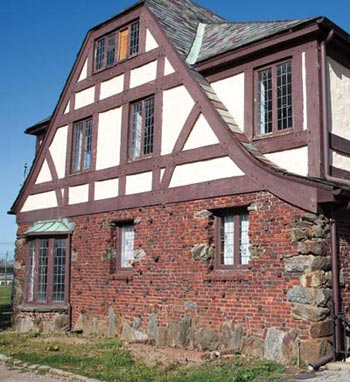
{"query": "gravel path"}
[(20, 376)]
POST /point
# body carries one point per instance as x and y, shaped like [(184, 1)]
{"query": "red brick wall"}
[(255, 298), (168, 278), (343, 232)]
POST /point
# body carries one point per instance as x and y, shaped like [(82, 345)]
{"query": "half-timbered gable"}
[(194, 173)]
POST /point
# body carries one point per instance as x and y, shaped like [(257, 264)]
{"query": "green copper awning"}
[(51, 226)]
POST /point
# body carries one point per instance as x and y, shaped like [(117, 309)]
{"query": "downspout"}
[(334, 251)]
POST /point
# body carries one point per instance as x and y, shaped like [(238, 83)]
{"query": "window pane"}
[(136, 137), (149, 124), (127, 255), (284, 96), (111, 50), (244, 239), (227, 240), (87, 146), (30, 285), (42, 270), (78, 142), (59, 269), (99, 55), (265, 101), (123, 44), (134, 38)]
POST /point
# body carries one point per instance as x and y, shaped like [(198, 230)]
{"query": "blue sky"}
[(40, 40)]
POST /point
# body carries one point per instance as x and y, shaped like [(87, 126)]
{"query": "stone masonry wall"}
[(343, 232), (175, 296)]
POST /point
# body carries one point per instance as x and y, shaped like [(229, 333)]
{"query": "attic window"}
[(274, 98), (117, 46)]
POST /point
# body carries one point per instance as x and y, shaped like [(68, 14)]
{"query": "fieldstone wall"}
[(312, 298)]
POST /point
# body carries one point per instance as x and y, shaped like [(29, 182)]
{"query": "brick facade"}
[(178, 300)]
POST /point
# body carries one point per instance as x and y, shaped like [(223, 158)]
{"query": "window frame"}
[(275, 130), (143, 143), (219, 216), (33, 271), (83, 153), (120, 228), (116, 35)]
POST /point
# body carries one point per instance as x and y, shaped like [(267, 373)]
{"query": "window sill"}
[(122, 275), (42, 308), (238, 275)]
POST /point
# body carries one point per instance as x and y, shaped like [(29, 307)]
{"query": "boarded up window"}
[(123, 44)]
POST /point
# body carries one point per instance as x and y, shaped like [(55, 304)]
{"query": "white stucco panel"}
[(340, 161), (339, 78), (168, 68), (204, 171), (112, 87), (231, 93), (78, 194), (138, 183), (106, 189), (108, 139), (58, 150), (85, 97), (44, 174), (295, 161), (83, 73), (177, 105), (201, 135), (304, 73), (67, 109), (143, 74), (151, 42), (40, 201)]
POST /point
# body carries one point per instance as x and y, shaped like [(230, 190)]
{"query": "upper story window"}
[(82, 145), (47, 270), (232, 239), (142, 128), (117, 46), (274, 98)]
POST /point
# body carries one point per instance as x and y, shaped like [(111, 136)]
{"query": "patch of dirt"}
[(165, 357), (66, 339)]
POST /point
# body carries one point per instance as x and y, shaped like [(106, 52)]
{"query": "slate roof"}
[(180, 18)]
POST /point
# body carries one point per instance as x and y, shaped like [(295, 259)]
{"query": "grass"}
[(107, 360), (5, 307)]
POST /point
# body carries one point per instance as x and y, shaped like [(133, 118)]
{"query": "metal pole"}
[(6, 256)]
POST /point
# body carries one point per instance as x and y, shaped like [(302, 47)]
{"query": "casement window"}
[(82, 145), (274, 106), (124, 239), (142, 128), (117, 46), (232, 239), (47, 270)]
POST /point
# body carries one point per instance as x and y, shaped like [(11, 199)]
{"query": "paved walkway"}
[(20, 376)]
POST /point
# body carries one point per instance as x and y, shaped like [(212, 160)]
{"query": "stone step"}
[(337, 366)]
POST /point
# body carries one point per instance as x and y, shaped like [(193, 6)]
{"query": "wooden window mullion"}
[(274, 99), (36, 269), (50, 263)]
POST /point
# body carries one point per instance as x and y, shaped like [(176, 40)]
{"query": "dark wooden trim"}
[(229, 186), (314, 122), (340, 173), (339, 144), (288, 141), (249, 103), (134, 167), (297, 89), (187, 128)]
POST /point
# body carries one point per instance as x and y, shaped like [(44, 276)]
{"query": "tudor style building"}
[(192, 186)]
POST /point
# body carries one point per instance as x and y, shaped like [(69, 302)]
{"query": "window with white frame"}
[(232, 239), (274, 108), (127, 246)]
